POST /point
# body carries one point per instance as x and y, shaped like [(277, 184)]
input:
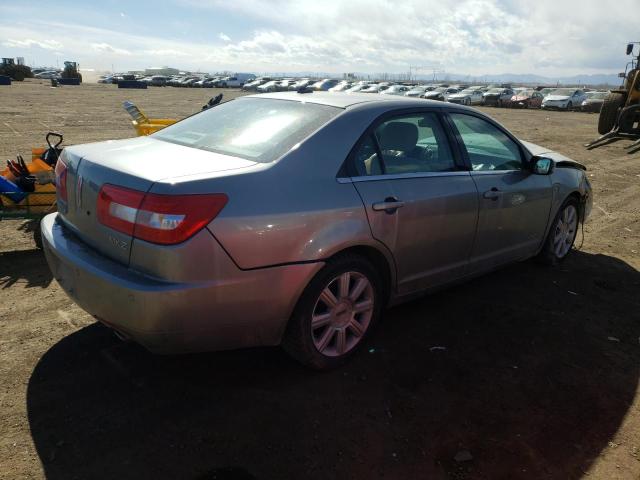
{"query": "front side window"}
[(487, 146), (261, 130), (414, 143)]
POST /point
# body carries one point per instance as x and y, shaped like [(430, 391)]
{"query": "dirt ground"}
[(529, 372)]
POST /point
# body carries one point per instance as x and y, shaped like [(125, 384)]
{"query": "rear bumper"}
[(236, 309)]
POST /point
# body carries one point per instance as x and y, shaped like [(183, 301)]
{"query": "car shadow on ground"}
[(24, 266), (524, 373)]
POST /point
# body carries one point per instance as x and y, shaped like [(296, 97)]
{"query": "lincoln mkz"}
[(294, 219)]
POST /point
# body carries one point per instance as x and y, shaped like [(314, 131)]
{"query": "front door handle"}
[(390, 205), (492, 194)]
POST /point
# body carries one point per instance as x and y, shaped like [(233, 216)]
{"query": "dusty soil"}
[(537, 376)]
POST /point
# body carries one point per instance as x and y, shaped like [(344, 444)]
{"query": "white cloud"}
[(106, 48), (28, 43), (475, 37), (167, 52)]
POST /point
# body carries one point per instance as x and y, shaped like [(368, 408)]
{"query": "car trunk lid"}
[(134, 164)]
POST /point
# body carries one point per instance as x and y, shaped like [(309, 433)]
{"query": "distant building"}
[(166, 71)]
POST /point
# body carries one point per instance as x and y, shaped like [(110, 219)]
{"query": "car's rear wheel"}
[(335, 313), (562, 233), (569, 106)]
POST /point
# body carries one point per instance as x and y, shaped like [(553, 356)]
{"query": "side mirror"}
[(629, 48), (541, 165), (621, 75)]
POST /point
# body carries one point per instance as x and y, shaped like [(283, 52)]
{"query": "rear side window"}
[(257, 129), (414, 143), (487, 146)]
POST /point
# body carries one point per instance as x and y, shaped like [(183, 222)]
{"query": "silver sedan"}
[(296, 218)]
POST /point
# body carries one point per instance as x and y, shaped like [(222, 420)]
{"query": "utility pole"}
[(434, 70)]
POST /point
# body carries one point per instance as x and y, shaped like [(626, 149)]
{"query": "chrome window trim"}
[(496, 172), (400, 176)]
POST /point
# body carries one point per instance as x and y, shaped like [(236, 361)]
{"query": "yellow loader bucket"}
[(143, 124)]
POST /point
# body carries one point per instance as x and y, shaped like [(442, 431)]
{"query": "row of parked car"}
[(492, 95), (193, 81)]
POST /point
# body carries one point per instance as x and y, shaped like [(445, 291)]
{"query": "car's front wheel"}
[(335, 313), (562, 233)]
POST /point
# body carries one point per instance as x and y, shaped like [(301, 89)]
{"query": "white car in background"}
[(302, 83), (396, 90), (236, 81), (564, 99), (47, 75), (374, 88), (270, 86), (417, 91), (468, 96), (341, 87), (357, 87)]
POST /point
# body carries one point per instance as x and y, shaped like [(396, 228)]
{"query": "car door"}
[(514, 203), (536, 99), (420, 199)]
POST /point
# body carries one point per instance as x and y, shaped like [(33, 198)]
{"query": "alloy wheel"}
[(342, 313), (565, 231)]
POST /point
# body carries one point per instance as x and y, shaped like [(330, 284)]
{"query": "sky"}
[(472, 37)]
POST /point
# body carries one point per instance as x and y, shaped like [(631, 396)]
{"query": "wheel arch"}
[(577, 196), (382, 262)]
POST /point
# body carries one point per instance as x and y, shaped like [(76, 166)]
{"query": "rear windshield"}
[(261, 130)]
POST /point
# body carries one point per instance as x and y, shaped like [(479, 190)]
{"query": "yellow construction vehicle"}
[(620, 114)]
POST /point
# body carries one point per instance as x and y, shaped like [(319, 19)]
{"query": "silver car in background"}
[(564, 99), (295, 218), (468, 96)]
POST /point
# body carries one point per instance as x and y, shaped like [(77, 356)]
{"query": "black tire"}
[(609, 112), (298, 340), (569, 106), (548, 255)]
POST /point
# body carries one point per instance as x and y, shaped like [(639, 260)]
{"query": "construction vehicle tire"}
[(609, 112)]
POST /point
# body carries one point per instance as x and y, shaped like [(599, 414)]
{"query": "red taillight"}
[(118, 207), (61, 180), (164, 219)]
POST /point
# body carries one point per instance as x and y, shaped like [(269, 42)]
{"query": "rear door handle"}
[(390, 205), (492, 194)]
